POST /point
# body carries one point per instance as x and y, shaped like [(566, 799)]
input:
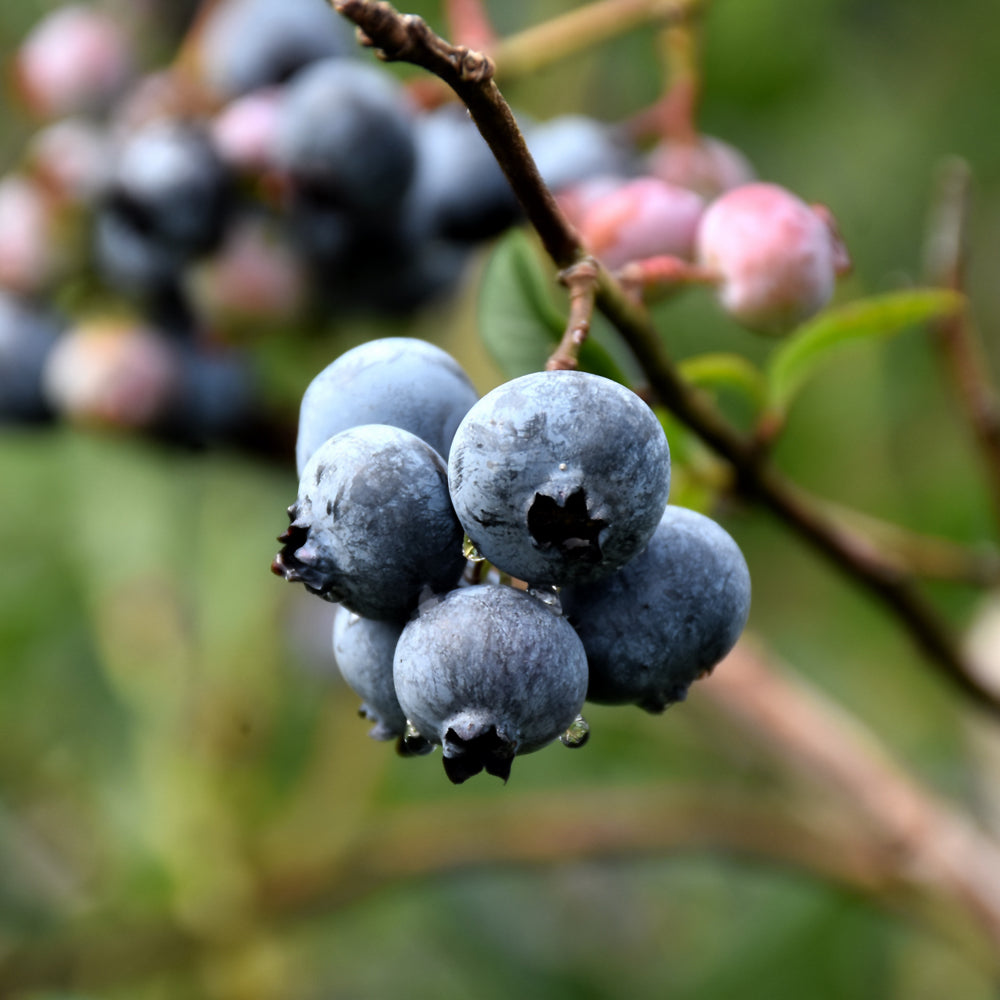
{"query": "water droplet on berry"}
[(577, 734)]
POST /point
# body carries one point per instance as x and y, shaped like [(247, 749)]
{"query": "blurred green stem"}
[(577, 30), (956, 336)]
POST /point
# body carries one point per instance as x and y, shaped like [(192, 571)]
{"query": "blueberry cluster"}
[(497, 561), (253, 174)]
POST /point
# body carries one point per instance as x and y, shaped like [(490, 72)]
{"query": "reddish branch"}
[(581, 282)]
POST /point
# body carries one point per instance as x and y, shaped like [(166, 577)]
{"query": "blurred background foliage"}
[(189, 806)]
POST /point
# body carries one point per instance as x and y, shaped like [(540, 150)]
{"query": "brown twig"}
[(470, 75), (581, 281), (955, 335)]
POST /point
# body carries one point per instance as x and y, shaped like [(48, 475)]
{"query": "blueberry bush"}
[(615, 376)]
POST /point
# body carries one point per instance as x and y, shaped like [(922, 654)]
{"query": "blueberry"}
[(459, 191), (346, 133), (27, 337), (489, 672), (364, 651), (401, 381), (573, 148), (243, 45), (170, 186), (373, 527), (559, 477), (667, 617), (129, 259), (369, 266), (216, 395)]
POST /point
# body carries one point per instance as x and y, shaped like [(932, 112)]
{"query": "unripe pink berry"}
[(775, 258), (254, 277), (111, 373), (30, 253), (71, 159), (245, 130), (704, 164), (643, 217), (576, 199), (76, 59)]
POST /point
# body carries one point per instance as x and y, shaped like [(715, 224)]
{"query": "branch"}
[(922, 837), (854, 819), (470, 75), (581, 282), (577, 30)]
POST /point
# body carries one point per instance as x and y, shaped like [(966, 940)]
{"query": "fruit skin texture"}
[(489, 672), (373, 527), (776, 257), (666, 618), (559, 477), (401, 381)]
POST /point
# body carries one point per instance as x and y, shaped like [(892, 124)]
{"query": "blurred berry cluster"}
[(271, 174)]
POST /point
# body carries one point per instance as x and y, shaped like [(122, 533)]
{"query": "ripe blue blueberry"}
[(401, 381), (217, 397), (665, 619), (171, 186), (489, 672), (243, 45), (27, 336), (559, 477), (364, 651), (373, 527), (346, 137), (572, 148), (459, 191)]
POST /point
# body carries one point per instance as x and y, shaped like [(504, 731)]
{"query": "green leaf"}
[(722, 370), (522, 313), (518, 320), (821, 338)]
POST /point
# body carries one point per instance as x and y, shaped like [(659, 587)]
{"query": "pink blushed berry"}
[(76, 59), (643, 217), (703, 164), (775, 258)]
